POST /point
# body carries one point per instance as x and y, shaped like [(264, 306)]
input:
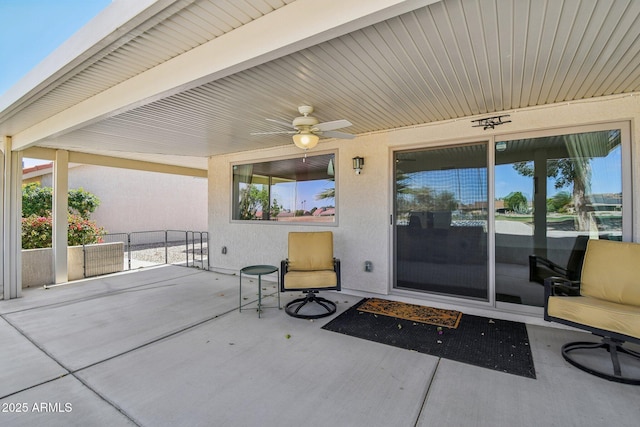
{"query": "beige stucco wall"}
[(132, 200), (364, 201)]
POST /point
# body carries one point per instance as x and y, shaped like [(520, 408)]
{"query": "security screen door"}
[(440, 221)]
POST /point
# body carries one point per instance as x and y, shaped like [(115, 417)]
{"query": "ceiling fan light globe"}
[(305, 141)]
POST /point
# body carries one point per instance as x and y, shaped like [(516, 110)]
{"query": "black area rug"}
[(495, 344)]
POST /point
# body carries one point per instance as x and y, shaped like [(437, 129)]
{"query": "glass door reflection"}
[(552, 195)]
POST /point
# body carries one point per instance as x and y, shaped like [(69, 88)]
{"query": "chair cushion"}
[(609, 272), (310, 251), (597, 313), (310, 279)]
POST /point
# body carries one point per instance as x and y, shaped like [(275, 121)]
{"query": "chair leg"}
[(613, 347), (293, 308)]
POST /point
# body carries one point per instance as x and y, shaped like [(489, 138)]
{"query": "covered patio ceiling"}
[(178, 81)]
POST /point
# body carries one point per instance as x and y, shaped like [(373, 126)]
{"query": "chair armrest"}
[(560, 286), (284, 267), (336, 268)]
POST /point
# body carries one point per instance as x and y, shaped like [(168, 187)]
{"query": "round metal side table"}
[(259, 270)]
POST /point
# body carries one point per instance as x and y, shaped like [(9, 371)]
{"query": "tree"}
[(249, 202), (275, 208), (516, 202), (254, 198), (82, 202), (38, 200), (445, 201), (329, 193), (576, 171), (558, 202), (427, 199)]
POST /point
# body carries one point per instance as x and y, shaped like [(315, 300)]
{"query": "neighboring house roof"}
[(39, 169), (324, 212)]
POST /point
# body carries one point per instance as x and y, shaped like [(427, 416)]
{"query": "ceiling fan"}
[(307, 130)]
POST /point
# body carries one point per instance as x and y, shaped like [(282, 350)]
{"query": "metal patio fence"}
[(130, 251)]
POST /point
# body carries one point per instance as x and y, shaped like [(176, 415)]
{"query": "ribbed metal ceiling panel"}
[(453, 59), (173, 32)]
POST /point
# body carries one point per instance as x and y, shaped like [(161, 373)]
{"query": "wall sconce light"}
[(358, 164)]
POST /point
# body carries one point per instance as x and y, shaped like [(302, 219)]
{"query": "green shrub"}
[(37, 200), (83, 231), (37, 231)]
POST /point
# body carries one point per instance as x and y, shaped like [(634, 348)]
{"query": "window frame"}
[(233, 193)]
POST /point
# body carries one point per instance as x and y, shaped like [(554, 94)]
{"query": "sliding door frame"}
[(627, 208)]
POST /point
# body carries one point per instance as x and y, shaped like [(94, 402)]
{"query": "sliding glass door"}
[(550, 194), (441, 221), (553, 194)]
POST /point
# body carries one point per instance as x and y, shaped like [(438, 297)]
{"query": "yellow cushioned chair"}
[(310, 267), (606, 302)]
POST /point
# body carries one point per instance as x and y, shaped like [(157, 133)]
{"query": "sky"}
[(32, 29), (302, 194)]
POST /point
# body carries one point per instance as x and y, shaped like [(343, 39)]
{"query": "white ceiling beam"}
[(114, 162), (117, 162), (296, 26)]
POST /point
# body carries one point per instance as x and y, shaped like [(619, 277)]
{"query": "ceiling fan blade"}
[(336, 124), (286, 132), (335, 134), (280, 122)]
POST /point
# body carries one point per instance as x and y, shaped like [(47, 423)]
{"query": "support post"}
[(11, 222), (60, 212)]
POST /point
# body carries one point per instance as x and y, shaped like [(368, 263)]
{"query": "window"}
[(288, 190)]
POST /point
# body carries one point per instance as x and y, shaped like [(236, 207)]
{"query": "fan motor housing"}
[(304, 121)]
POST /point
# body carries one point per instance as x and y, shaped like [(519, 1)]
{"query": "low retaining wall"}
[(37, 267), (103, 258)]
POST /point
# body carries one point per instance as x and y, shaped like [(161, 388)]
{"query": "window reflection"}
[(552, 195), (288, 190)]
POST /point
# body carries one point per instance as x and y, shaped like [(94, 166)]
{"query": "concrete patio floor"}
[(167, 347)]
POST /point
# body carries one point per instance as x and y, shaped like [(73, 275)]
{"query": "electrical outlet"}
[(368, 266), (224, 250)]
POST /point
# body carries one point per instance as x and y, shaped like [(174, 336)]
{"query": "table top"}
[(259, 269)]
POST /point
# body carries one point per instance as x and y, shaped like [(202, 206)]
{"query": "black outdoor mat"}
[(495, 344)]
